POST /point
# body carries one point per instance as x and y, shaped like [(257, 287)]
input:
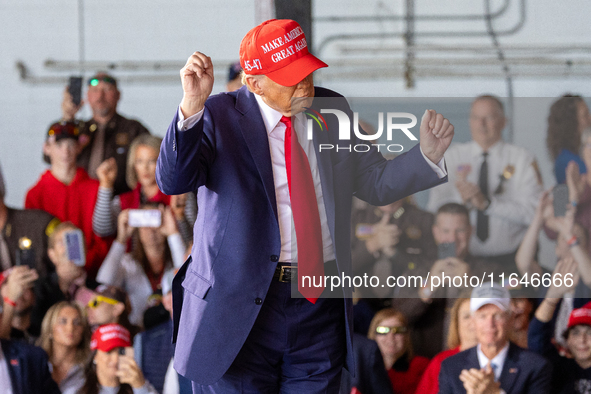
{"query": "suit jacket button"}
[(258, 301), (274, 258)]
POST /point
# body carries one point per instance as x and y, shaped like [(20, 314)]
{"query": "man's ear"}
[(46, 148), (52, 255), (254, 84)]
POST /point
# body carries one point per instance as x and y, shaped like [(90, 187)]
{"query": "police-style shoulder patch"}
[(413, 232)]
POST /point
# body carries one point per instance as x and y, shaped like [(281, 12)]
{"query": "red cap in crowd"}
[(580, 315), (278, 49), (110, 336)]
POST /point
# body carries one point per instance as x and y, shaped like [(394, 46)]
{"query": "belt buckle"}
[(285, 276)]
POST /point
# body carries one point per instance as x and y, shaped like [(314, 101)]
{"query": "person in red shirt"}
[(389, 329), (67, 192)]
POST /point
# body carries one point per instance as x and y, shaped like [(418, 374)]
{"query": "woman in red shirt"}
[(461, 337), (389, 329)]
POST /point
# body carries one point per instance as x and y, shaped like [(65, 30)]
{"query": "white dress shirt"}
[(171, 380), (510, 211), (5, 381), (276, 134), (498, 360)]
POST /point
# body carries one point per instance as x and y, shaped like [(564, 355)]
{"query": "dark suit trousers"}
[(294, 347)]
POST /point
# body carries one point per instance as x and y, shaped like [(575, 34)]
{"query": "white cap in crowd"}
[(490, 294)]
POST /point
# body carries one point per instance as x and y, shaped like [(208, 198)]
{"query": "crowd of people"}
[(87, 266)]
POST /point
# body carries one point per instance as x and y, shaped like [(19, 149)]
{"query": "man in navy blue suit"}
[(495, 365), (237, 327)]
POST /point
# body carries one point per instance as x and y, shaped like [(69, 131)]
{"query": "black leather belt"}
[(286, 272)]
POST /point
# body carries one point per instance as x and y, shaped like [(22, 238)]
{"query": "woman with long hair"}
[(461, 336), (64, 337), (141, 179), (389, 328), (139, 273), (111, 367), (569, 116)]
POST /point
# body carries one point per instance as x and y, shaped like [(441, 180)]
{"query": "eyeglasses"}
[(98, 299), (64, 128), (95, 81), (383, 330)]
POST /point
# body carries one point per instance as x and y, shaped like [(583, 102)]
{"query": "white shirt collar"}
[(498, 360), (271, 117), (492, 151)]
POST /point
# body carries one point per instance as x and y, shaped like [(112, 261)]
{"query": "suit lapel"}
[(254, 133), (510, 369), (472, 359)]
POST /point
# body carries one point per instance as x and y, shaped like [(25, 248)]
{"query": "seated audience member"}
[(139, 273), (154, 350), (66, 191), (389, 240), (571, 374), (69, 282), (522, 310), (370, 375), (107, 305), (18, 298), (24, 369), (495, 364), (141, 178), (461, 337), (107, 134), (108, 371), (390, 331), (498, 181), (569, 116), (65, 337), (23, 236), (428, 309)]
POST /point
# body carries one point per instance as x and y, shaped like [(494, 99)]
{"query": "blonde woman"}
[(141, 179), (65, 337), (461, 336)]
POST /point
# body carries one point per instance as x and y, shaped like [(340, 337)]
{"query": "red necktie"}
[(306, 218)]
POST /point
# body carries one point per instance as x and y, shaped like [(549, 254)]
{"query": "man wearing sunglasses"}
[(109, 304), (107, 135)]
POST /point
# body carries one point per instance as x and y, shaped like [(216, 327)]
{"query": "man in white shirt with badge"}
[(500, 183)]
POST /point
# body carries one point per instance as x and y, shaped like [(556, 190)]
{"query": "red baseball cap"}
[(278, 49), (109, 336), (580, 315)]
